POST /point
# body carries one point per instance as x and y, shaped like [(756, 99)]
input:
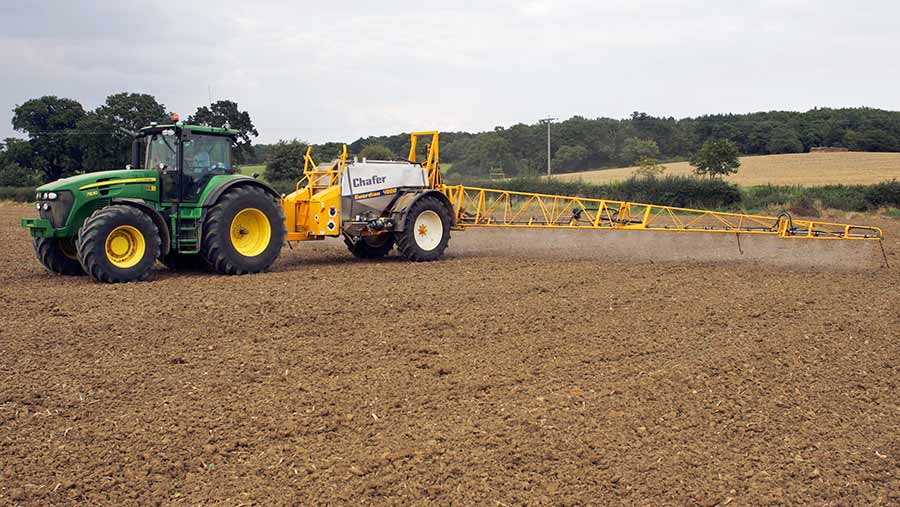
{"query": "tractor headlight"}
[(44, 195), (45, 206), (37, 206), (52, 195)]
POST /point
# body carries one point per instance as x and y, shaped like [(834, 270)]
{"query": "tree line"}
[(63, 138), (580, 143)]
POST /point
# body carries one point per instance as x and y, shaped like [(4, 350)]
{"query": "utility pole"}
[(548, 121)]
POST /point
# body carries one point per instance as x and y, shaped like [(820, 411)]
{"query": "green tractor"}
[(179, 202)]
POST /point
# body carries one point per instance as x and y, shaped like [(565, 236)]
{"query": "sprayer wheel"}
[(370, 247)]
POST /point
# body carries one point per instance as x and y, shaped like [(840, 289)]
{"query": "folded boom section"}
[(482, 207)]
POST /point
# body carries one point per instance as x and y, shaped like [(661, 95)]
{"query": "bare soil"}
[(526, 370)]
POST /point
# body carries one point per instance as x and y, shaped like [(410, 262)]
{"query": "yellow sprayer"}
[(376, 205)]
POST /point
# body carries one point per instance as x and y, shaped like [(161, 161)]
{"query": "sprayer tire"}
[(370, 247), (426, 230)]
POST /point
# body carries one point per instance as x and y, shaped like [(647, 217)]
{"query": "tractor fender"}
[(234, 182), (154, 215), (403, 203)]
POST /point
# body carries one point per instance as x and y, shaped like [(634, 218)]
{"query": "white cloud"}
[(346, 69)]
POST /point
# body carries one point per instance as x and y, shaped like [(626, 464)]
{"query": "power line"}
[(72, 132)]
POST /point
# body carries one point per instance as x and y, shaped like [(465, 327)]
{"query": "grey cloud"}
[(335, 71)]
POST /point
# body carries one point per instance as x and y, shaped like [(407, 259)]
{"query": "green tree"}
[(14, 175), (11, 173), (132, 111), (649, 168), (225, 113), (784, 140), (570, 158), (285, 161), (18, 151), (102, 146), (716, 158), (482, 153), (49, 122), (376, 152), (634, 149), (103, 134), (871, 140), (327, 152)]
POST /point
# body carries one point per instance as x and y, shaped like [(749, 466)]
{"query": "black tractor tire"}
[(260, 250), (184, 262), (117, 244), (370, 247), (58, 255), (417, 242)]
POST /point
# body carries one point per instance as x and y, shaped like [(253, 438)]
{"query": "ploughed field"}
[(522, 369)]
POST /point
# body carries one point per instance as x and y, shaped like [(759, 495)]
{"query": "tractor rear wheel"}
[(58, 255), (370, 247), (118, 244), (244, 232), (426, 230)]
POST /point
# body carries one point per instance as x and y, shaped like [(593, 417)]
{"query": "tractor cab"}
[(187, 158)]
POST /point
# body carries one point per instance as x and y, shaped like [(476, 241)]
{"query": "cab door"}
[(203, 156), (164, 155)]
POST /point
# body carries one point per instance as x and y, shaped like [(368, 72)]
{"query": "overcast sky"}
[(322, 71)]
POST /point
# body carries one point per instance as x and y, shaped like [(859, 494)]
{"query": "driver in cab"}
[(200, 162)]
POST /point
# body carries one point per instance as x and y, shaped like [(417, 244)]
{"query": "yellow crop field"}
[(808, 169)]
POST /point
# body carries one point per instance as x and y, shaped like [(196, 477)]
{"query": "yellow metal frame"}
[(432, 156), (322, 178), (484, 207), (315, 202)]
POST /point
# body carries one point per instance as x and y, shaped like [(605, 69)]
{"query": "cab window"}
[(162, 151), (204, 157)]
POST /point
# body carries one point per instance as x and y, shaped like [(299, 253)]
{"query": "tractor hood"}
[(103, 178), (64, 204)]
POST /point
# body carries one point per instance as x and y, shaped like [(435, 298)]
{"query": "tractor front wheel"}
[(244, 232), (426, 230), (118, 244), (370, 247), (58, 255)]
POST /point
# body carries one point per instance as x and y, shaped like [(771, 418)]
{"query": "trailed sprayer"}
[(181, 202)]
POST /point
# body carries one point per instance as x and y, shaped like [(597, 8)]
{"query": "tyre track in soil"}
[(491, 379)]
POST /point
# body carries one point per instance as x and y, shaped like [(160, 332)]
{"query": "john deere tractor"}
[(179, 202)]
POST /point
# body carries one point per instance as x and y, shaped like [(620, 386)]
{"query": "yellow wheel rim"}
[(250, 232), (125, 246)]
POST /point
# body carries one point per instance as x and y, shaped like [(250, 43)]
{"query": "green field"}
[(250, 169)]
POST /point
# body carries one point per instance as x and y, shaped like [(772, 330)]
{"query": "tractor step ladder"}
[(187, 240)]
